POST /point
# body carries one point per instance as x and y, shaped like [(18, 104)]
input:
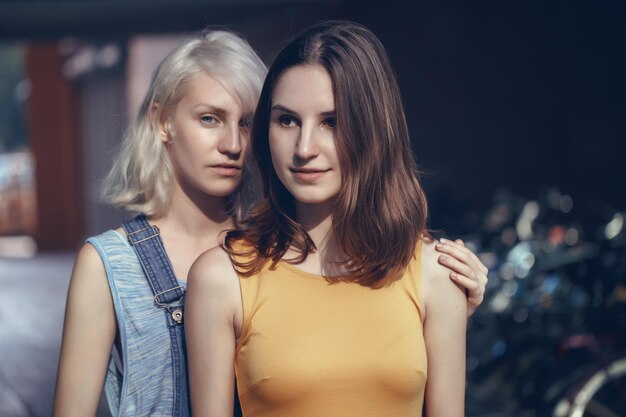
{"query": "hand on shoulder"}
[(439, 293)]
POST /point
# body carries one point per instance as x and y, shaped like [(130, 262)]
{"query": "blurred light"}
[(497, 216), (23, 90), (507, 271), (500, 302), (509, 236), (556, 235), (614, 227), (527, 216), (510, 288), (571, 236), (550, 284), (498, 348), (525, 264), (82, 62), (520, 315), (566, 204), (562, 408), (108, 56)]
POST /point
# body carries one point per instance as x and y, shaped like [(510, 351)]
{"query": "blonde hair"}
[(142, 174)]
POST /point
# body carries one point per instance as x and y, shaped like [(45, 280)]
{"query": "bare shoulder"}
[(438, 288), (433, 273), (213, 270), (88, 265), (213, 292), (89, 288)]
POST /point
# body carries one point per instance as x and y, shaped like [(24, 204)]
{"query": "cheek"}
[(278, 149)]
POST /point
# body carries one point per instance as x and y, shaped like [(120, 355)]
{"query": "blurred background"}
[(517, 112)]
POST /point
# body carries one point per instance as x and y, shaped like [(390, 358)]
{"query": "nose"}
[(230, 142), (307, 147)]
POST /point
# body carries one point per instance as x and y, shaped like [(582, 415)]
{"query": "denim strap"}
[(148, 245), (168, 294)]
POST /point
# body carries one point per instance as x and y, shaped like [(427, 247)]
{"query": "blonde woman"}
[(181, 166)]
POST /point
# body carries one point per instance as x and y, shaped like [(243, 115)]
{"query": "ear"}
[(163, 122)]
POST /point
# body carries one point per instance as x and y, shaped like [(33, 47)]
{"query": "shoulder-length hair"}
[(142, 174), (380, 213)]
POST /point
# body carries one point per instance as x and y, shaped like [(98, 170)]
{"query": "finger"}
[(458, 252), (474, 295), (469, 284), (455, 244), (481, 265), (456, 266)]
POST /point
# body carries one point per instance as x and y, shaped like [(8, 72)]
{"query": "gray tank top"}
[(139, 379)]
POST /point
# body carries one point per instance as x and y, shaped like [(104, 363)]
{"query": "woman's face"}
[(302, 134), (207, 136)]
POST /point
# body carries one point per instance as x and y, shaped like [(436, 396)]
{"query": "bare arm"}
[(88, 337), (213, 306), (444, 332)]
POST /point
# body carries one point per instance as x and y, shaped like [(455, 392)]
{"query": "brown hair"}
[(380, 212)]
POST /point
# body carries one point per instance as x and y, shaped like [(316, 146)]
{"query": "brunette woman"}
[(330, 299)]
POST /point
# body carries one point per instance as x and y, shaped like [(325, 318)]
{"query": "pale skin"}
[(208, 128), (302, 142)]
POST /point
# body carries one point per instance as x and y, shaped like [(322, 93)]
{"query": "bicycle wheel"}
[(601, 394)]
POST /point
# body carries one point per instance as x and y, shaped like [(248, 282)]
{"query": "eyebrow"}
[(218, 111), (280, 107)]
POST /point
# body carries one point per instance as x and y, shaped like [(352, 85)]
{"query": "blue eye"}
[(287, 121), (207, 119)]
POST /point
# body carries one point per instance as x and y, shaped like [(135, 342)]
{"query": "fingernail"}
[(443, 258), (443, 240), (454, 275), (439, 245)]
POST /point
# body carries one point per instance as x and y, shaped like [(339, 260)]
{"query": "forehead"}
[(202, 88), (305, 86)]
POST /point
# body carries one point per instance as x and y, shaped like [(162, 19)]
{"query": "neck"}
[(195, 213), (317, 220)]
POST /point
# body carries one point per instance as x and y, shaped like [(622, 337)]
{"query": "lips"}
[(226, 170), (308, 175)]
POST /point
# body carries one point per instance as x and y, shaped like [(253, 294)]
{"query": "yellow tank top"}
[(309, 348)]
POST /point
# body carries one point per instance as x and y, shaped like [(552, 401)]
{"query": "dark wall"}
[(515, 94), (497, 94)]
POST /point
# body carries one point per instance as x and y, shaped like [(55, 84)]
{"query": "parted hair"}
[(380, 212), (142, 174)]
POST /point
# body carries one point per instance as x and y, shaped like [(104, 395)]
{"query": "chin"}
[(313, 198), (220, 190)]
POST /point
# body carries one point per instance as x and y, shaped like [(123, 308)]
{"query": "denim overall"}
[(149, 376)]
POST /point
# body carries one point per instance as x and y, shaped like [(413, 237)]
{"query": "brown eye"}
[(287, 121), (331, 122)]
